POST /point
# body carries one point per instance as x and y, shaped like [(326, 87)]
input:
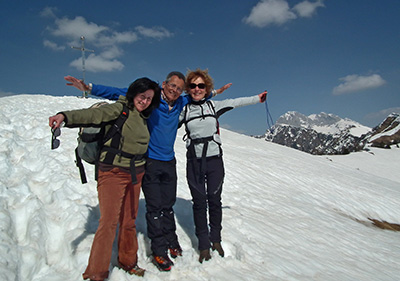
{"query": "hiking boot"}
[(175, 252), (217, 246), (163, 263), (136, 270), (204, 255), (132, 270)]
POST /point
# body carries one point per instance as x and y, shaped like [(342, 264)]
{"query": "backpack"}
[(186, 118), (191, 154), (92, 139)]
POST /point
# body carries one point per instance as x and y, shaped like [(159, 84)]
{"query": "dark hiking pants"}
[(206, 193), (159, 188)]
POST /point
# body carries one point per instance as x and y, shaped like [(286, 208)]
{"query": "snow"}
[(324, 123), (288, 215), (377, 162)]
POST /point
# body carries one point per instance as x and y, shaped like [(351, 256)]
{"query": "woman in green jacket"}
[(118, 189)]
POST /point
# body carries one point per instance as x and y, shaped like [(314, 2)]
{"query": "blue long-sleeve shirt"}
[(162, 124)]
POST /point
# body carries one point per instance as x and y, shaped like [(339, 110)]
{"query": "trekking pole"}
[(270, 122)]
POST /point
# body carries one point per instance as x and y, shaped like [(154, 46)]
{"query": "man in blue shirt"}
[(160, 180)]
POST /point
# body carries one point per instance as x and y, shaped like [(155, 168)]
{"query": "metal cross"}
[(82, 48)]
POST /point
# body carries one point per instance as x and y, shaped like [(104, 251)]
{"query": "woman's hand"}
[(263, 96), (56, 120)]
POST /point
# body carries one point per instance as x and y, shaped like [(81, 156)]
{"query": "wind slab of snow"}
[(288, 215)]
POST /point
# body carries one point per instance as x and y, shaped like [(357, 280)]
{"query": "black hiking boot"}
[(217, 246), (175, 252), (163, 263), (204, 255)]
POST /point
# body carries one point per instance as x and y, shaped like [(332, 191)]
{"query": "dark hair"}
[(139, 86), (175, 73)]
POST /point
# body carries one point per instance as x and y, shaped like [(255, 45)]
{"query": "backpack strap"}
[(191, 151), (199, 165), (186, 118), (115, 133), (117, 126), (79, 164), (116, 129)]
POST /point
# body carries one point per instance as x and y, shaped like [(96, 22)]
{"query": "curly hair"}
[(193, 74), (141, 85)]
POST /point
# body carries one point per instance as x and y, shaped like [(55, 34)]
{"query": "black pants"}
[(206, 193), (159, 188)]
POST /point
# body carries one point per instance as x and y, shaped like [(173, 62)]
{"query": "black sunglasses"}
[(55, 143), (200, 85)]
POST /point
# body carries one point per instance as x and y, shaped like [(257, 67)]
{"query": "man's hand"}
[(79, 84), (223, 88)]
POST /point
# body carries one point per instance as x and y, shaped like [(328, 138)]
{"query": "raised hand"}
[(223, 88), (263, 96), (77, 83)]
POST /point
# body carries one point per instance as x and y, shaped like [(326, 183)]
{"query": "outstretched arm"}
[(228, 104), (111, 93)]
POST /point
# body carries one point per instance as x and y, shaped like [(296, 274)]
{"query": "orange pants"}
[(118, 202)]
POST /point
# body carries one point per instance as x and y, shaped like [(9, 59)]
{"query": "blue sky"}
[(333, 56)]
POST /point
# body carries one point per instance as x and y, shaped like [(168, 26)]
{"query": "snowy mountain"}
[(387, 133), (324, 123), (328, 134), (287, 215)]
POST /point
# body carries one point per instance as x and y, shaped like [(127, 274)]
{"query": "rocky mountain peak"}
[(387, 133), (325, 133)]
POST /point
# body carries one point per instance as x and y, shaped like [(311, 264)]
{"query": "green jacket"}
[(135, 135)]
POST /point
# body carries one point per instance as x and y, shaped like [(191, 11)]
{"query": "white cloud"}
[(49, 12), (307, 9), (157, 32), (354, 83), (125, 37), (77, 27), (268, 12), (98, 63), (53, 46), (278, 12), (111, 52), (104, 40), (116, 38)]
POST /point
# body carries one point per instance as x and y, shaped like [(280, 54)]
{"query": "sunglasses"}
[(55, 143), (200, 85)]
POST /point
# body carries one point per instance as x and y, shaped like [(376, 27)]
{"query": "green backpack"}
[(92, 139)]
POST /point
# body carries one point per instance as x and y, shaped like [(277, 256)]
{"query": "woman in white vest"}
[(205, 168)]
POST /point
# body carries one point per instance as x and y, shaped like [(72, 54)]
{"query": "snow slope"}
[(288, 215)]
